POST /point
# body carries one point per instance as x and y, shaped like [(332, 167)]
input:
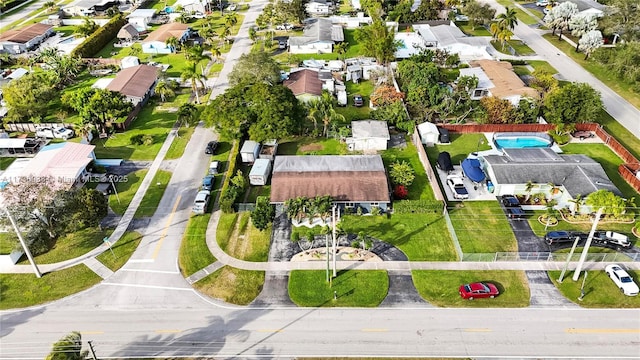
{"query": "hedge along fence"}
[(100, 38), (231, 171)]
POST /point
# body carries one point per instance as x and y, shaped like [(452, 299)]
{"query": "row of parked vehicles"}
[(203, 197)]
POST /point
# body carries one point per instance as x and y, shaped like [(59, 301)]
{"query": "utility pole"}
[(24, 245), (566, 264), (333, 220), (93, 353), (583, 256)]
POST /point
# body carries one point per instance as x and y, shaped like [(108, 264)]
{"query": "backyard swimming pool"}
[(522, 140)]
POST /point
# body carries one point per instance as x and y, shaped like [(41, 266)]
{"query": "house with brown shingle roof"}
[(137, 83), (128, 33), (305, 84), (156, 42), (25, 39), (497, 78), (352, 180)]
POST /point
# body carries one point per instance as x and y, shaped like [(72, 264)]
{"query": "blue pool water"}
[(402, 45), (521, 142)]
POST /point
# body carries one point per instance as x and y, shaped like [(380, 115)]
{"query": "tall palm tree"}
[(163, 90), (172, 42), (509, 18), (187, 113), (231, 19), (192, 75), (215, 52), (225, 33)]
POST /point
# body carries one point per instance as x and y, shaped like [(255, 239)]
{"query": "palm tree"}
[(187, 113), (195, 54), (191, 74), (83, 130), (341, 49), (87, 28), (163, 90), (49, 5), (215, 52), (231, 19), (509, 18), (577, 201), (172, 42), (225, 33), (528, 188)]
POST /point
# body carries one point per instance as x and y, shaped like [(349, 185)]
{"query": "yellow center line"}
[(599, 331), (374, 330), (478, 330), (168, 331), (270, 330), (166, 228)]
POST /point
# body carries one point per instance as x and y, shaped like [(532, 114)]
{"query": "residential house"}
[(318, 37), (65, 162), (450, 38), (140, 19), (194, 6), (354, 181), (88, 7), (573, 174), (497, 78), (128, 33), (305, 84), (129, 61), (137, 83), (351, 22), (368, 135), (319, 7), (24, 39), (156, 42)]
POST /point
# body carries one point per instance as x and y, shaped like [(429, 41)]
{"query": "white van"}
[(201, 202)]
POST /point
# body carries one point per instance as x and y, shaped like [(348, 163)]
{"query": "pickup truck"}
[(54, 133), (611, 239)]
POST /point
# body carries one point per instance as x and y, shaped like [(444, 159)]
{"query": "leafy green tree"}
[(543, 82), (573, 103), (229, 114), (394, 114), (621, 17), (322, 110), (29, 96), (498, 111), (68, 348), (263, 214), (378, 41), (401, 173), (278, 112), (65, 67), (478, 14), (255, 67), (612, 203), (87, 28), (97, 106)]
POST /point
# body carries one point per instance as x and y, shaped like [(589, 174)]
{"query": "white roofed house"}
[(368, 135), (88, 7), (318, 37), (319, 7), (140, 19), (450, 38), (192, 6)]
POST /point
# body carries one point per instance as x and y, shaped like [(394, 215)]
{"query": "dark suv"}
[(510, 201), (512, 207), (211, 147), (557, 237)]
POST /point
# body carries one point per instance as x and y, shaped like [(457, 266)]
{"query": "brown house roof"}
[(356, 178), (128, 31), (134, 81), (164, 32), (304, 82), (25, 34), (506, 81)]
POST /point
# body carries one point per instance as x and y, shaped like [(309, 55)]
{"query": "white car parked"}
[(622, 279), (54, 133), (456, 185)]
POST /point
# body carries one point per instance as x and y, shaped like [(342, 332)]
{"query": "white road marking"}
[(152, 271)]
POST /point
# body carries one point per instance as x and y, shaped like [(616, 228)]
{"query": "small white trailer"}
[(259, 174), (249, 151)]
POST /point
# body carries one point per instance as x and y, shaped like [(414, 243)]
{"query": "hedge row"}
[(231, 170), (417, 207), (100, 38)]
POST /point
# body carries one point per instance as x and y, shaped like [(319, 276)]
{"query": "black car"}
[(510, 201), (211, 147), (556, 237), (357, 100), (515, 213)]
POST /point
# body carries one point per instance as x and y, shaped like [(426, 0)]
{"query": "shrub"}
[(375, 210), (400, 192), (100, 38), (141, 139), (417, 206)]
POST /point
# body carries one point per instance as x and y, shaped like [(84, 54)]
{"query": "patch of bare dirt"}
[(312, 147)]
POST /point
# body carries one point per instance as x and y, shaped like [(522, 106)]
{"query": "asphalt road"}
[(208, 330)]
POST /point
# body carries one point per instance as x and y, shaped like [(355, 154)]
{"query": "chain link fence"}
[(548, 256)]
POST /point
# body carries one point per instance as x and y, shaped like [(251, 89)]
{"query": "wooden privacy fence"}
[(424, 159)]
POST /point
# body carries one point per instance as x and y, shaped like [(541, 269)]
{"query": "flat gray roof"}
[(326, 163)]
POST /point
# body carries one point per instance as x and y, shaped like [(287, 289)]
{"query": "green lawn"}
[(232, 285), (477, 31), (23, 290), (543, 65), (351, 112), (5, 162), (538, 228), (152, 197), (354, 49), (622, 88), (353, 288), (518, 46), (8, 242), (615, 129), (420, 188), (481, 227), (176, 150), (194, 253), (126, 191), (149, 121), (238, 237), (312, 146), (440, 287), (122, 251), (70, 246), (460, 147), (422, 237), (522, 16), (600, 291), (255, 191)]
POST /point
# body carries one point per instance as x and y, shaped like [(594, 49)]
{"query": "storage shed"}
[(259, 174), (249, 151), (428, 133)]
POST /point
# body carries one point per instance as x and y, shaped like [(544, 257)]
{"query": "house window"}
[(375, 204), (478, 93)]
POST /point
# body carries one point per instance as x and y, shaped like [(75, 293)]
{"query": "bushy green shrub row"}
[(228, 191), (417, 207), (100, 38)]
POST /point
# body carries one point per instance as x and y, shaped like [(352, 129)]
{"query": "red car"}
[(478, 290)]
